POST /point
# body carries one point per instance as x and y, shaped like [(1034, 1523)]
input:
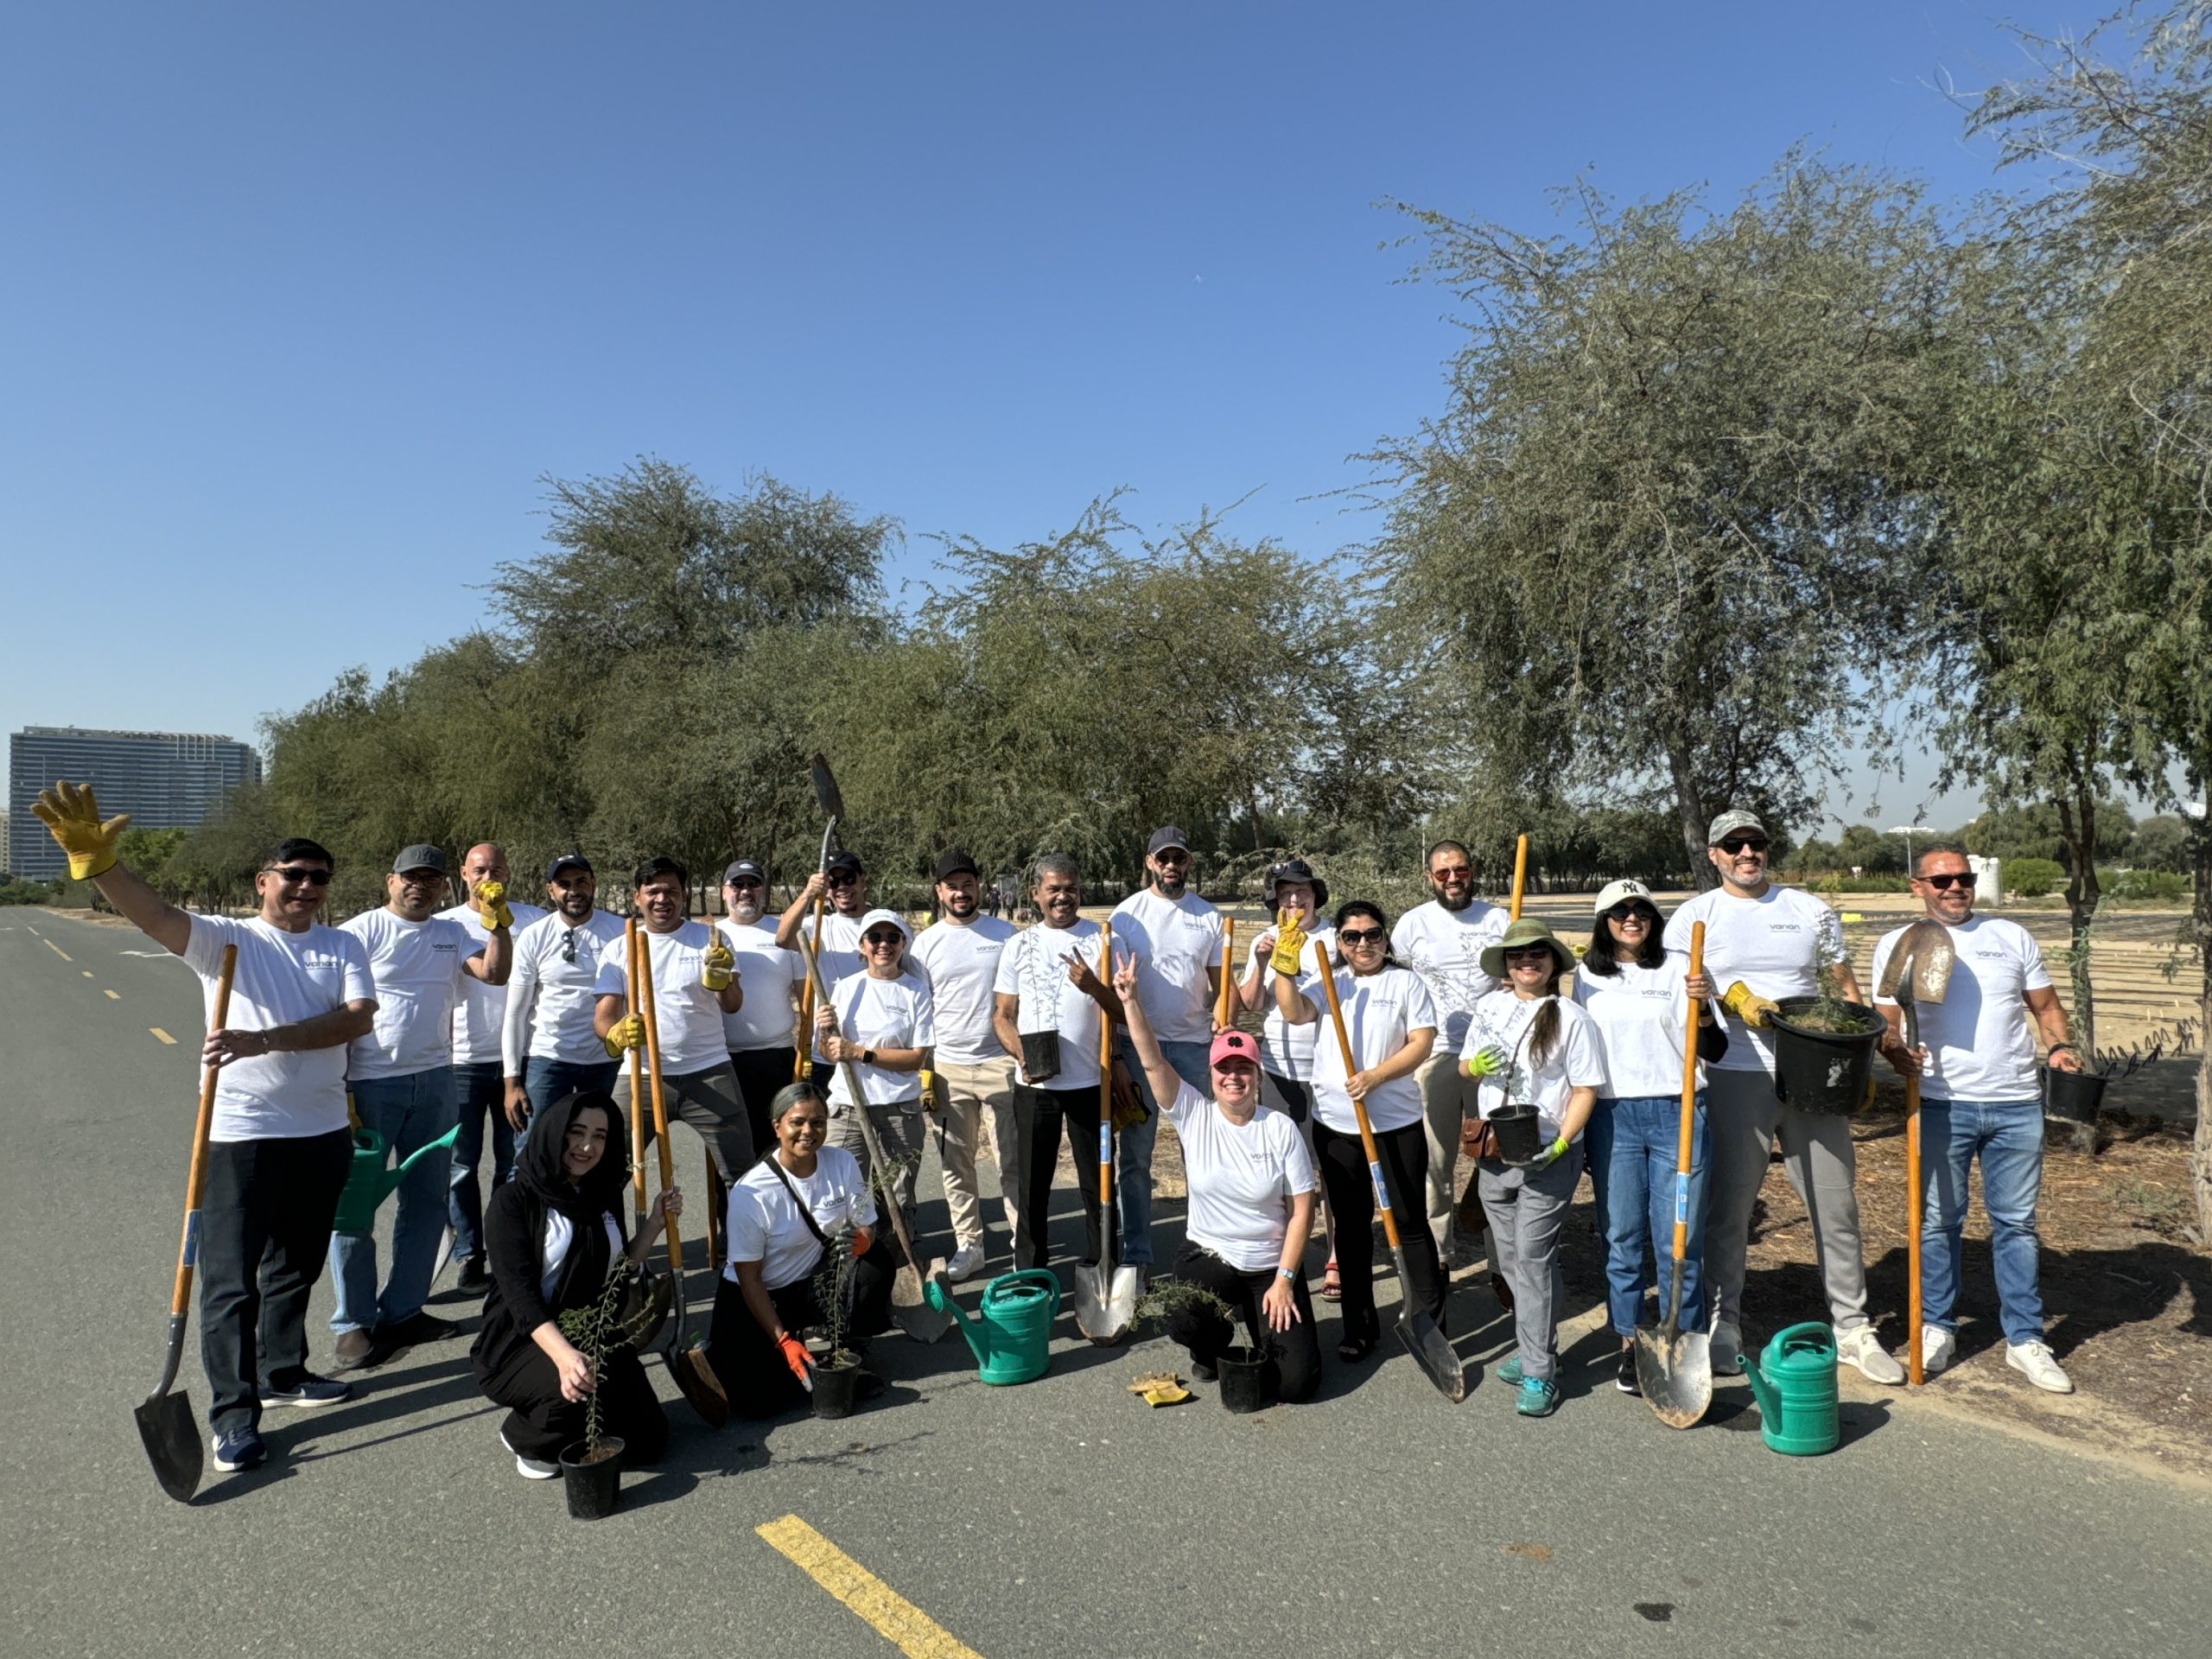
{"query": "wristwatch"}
[(1287, 1273), (868, 1057)]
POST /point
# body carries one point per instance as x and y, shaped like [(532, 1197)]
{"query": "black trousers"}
[(1043, 1111), (265, 1231), (748, 1360), (541, 1424), (760, 1073), (1295, 1353), (1403, 1154)]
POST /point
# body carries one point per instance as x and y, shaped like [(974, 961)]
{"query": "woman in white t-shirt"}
[(1251, 1183), (794, 1207), (1525, 1043), (1391, 1025), (879, 1024), (1639, 996)]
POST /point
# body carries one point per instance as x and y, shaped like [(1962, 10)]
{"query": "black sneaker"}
[(474, 1277), (311, 1393), (239, 1449), (1625, 1374), (1203, 1372), (415, 1330)]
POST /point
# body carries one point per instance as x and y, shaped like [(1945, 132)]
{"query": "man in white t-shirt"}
[(695, 984), (1775, 942), (400, 1076), (845, 883), (1443, 941), (478, 1075), (957, 957), (547, 1047), (1980, 1094), (278, 1147), (1177, 936), (762, 1036)]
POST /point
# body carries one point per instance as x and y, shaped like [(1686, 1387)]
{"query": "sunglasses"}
[(882, 941), (1950, 878), (296, 876), (743, 882), (1360, 935), (1529, 953), (1453, 873), (1634, 911), (1736, 844), (840, 879), (568, 945)]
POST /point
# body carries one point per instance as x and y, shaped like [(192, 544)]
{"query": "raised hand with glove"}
[(1290, 946), (624, 1034), (716, 966), (1747, 1005), (73, 819), (492, 896)]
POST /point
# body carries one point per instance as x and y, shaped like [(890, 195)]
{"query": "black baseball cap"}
[(843, 861), (955, 862), (744, 867), (1166, 836), (568, 861)]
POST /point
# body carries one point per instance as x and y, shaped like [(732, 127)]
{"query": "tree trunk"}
[(2078, 827), (2200, 1153), (1690, 809)]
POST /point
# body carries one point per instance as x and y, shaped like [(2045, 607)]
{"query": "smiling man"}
[(547, 1047), (759, 1035)]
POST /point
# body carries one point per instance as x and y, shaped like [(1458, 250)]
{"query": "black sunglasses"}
[(1529, 953), (1950, 878), (1633, 908), (296, 874), (883, 941), (840, 879), (743, 881), (568, 944), (1360, 935), (1736, 844)]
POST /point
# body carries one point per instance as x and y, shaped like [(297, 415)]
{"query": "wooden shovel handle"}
[(1914, 1369), (660, 1108), (806, 1043), (631, 945), (187, 1251), (1228, 979), (1689, 1100), (1358, 1110), (1520, 877)]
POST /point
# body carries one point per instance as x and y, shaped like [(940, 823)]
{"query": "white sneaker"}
[(967, 1261), (1725, 1349), (1938, 1348), (1860, 1346), (2033, 1361), (531, 1468)]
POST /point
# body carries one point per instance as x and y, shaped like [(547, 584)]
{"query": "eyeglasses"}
[(1736, 844), (1360, 935), (568, 944), (883, 941), (296, 874), (1950, 878), (1453, 873)]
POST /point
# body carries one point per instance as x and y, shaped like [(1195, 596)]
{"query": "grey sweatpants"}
[(709, 1102), (1525, 1207), (1447, 1095), (899, 1127), (1744, 1117)]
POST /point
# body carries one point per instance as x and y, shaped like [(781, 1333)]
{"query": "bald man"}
[(479, 1072)]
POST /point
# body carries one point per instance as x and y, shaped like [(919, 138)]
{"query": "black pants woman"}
[(1351, 1195), (747, 1358), (1294, 1355)]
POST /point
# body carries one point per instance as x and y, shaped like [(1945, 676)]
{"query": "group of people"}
[(801, 1045)]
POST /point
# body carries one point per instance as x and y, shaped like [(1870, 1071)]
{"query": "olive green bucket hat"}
[(1527, 930)]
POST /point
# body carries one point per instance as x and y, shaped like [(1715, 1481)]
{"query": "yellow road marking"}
[(57, 950), (111, 996), (905, 1626), (163, 1035)]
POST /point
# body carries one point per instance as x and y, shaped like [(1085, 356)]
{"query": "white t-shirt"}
[(771, 977), (418, 972), (1576, 1060), (1175, 944), (1286, 1050), (550, 998), (881, 1014), (1381, 1009), (561, 1234), (838, 952), (1241, 1178), (282, 979), (1775, 944), (690, 1015), (1445, 947), (764, 1226), (1641, 1015), (960, 964), (1033, 968), (481, 1015), (1980, 1046)]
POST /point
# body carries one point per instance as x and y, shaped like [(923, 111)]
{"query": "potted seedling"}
[(1242, 1371), (836, 1367), (591, 1470), (1824, 1049)]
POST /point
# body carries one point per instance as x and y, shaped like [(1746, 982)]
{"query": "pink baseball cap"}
[(1235, 1046)]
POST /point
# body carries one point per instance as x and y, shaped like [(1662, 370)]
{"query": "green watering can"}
[(1010, 1337), (1795, 1382), (368, 1184)]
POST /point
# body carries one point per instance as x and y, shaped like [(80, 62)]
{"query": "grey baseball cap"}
[(419, 857), (1730, 822), (1168, 835)]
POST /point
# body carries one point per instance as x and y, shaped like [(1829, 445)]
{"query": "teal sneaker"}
[(1509, 1372), (1538, 1398)]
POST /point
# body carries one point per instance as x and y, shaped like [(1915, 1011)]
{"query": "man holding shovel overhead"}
[(838, 949), (400, 1077), (1772, 943), (1980, 1096), (695, 984), (278, 1147)]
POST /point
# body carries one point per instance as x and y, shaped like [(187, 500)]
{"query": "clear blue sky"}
[(301, 301)]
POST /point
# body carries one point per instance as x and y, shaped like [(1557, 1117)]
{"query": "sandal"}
[(1330, 1289), (1352, 1350)]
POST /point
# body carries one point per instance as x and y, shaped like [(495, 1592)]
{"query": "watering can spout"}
[(942, 1300), (1762, 1390), (368, 1184)]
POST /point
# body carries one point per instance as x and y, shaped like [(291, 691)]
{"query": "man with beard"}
[(759, 1035), (1443, 941), (838, 950), (547, 1047), (478, 1072), (959, 957)]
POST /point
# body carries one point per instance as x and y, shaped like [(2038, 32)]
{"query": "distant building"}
[(7, 865), (164, 780)]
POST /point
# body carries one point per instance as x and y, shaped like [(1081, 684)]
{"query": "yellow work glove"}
[(1486, 1062), (68, 811), (714, 967), (1290, 945), (627, 1033), (492, 895), (1747, 1005)]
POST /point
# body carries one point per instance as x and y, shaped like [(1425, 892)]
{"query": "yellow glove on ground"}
[(492, 895), (714, 967), (1747, 1005), (627, 1033), (1290, 945), (67, 810)]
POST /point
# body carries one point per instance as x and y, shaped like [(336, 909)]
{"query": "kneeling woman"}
[(1251, 1182), (552, 1233), (785, 1218)]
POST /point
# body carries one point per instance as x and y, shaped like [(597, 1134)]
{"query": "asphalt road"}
[(1059, 1518)]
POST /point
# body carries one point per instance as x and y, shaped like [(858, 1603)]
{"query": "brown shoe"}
[(355, 1350)]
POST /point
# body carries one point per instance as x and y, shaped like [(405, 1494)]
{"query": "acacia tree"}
[(1664, 516)]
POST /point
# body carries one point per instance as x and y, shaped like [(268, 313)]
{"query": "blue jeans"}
[(409, 1112), (548, 1081), (1635, 1142), (2008, 1134), (1133, 1165), (481, 1087)]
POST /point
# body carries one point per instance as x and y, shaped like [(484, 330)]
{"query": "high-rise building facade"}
[(164, 780)]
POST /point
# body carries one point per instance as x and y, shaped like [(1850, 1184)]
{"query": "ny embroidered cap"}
[(1229, 1046), (419, 857), (1730, 822), (1626, 887)]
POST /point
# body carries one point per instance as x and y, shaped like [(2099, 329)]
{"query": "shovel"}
[(165, 1425), (1520, 877), (687, 1360), (911, 1309), (1919, 971), (1415, 1329), (833, 808), (1673, 1367), (1106, 1296)]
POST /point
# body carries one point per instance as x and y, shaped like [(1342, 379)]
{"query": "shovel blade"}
[(911, 1310), (1105, 1303), (696, 1382), (825, 788), (172, 1441), (1426, 1342), (1675, 1370)]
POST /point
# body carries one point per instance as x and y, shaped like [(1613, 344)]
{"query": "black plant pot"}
[(2072, 1096), (836, 1384), (593, 1487), (1246, 1379), (1519, 1137), (1823, 1071)]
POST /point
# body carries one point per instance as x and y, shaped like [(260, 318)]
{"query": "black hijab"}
[(540, 1172)]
